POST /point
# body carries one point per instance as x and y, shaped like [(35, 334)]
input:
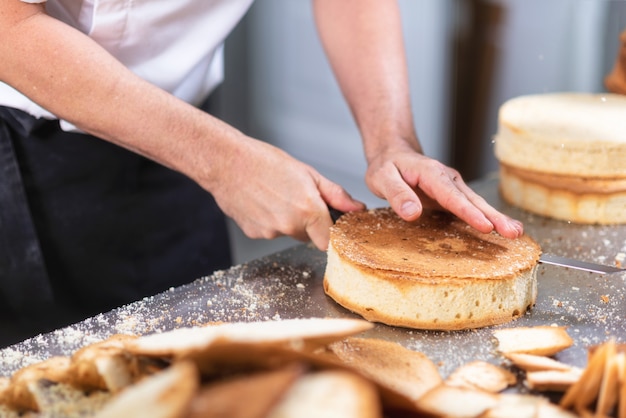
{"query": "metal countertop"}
[(288, 284)]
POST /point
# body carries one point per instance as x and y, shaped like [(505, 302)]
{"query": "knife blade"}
[(551, 259), (578, 264)]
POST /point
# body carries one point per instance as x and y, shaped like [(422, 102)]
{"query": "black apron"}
[(87, 226)]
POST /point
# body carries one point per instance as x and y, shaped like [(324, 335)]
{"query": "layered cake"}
[(433, 273), (563, 156)]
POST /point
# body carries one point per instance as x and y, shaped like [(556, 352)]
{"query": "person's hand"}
[(269, 194), (364, 42), (410, 181)]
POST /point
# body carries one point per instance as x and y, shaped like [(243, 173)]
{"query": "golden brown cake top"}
[(437, 245)]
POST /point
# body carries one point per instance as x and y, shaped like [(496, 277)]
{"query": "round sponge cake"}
[(433, 273), (562, 156)]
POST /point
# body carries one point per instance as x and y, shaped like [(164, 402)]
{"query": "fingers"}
[(456, 196), (405, 185), (446, 187), (503, 224)]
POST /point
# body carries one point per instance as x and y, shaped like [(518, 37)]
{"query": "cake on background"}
[(563, 156)]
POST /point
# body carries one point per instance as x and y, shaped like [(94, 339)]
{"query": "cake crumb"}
[(619, 259)]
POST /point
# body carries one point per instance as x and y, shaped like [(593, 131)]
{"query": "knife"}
[(552, 259), (578, 264)]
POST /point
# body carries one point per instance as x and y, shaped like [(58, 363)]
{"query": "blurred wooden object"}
[(475, 60), (615, 81)]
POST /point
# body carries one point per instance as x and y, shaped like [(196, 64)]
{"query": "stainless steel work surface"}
[(289, 285)]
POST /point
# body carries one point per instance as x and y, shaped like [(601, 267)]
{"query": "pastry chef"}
[(115, 178)]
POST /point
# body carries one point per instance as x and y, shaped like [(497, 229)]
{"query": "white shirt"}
[(174, 44)]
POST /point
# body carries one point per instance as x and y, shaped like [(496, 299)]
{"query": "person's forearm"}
[(363, 40), (68, 74), (264, 190)]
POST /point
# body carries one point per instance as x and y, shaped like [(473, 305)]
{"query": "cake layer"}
[(565, 133), (434, 273)]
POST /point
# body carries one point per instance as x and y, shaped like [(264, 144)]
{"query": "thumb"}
[(408, 208)]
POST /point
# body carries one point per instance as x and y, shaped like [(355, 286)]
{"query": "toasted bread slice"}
[(104, 365), (329, 394), (66, 400), (552, 380), (481, 375), (513, 405), (550, 410), (301, 333), (539, 340), (6, 412), (402, 374), (609, 387), (5, 384), (237, 358), (621, 407), (452, 401), (586, 389), (166, 394), (19, 394), (245, 396), (227, 358), (534, 363)]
